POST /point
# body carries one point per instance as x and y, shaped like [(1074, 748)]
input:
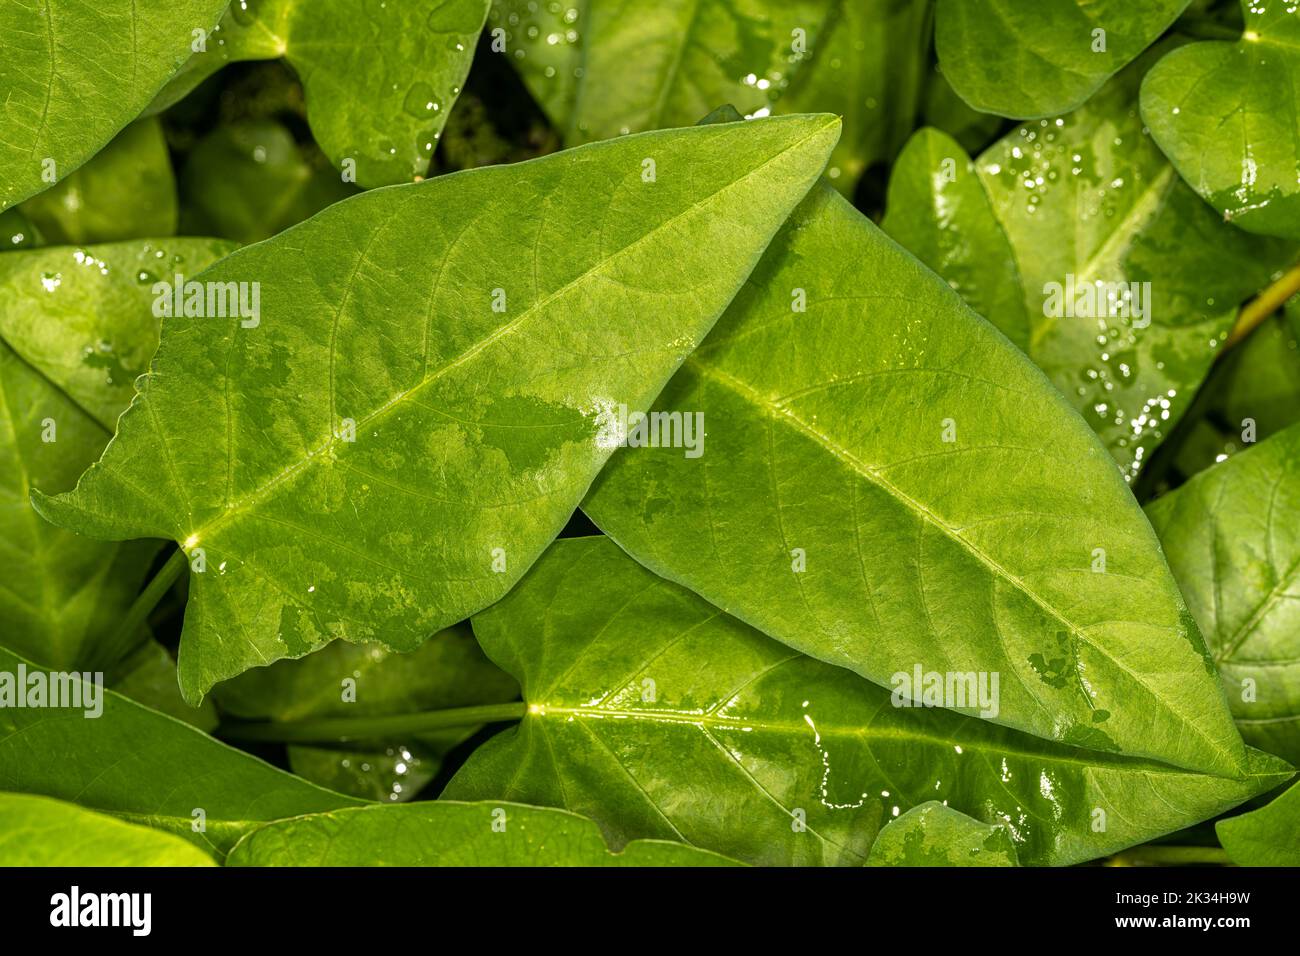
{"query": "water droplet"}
[(421, 102)]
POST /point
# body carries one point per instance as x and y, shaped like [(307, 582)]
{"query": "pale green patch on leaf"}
[(38, 831), (769, 756), (1232, 536), (1269, 836), (1032, 59), (73, 75), (1227, 116), (126, 192), (902, 488), (147, 768), (936, 835), (430, 385), (453, 834), (379, 77), (369, 680)]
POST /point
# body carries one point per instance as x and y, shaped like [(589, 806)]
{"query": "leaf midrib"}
[(323, 450), (750, 395)]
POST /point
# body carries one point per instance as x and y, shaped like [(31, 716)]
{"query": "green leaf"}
[(452, 834), (658, 716), (867, 65), (830, 510), (148, 768), (1269, 836), (248, 181), (1083, 199), (933, 834), (477, 431), (126, 192), (1232, 536), (37, 831), (379, 77), (17, 231), (1226, 115), (938, 210), (369, 680), (946, 111), (1029, 60), (73, 75)]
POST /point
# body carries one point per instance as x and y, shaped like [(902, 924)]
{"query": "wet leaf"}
[(452, 834), (1226, 115), (1085, 199), (369, 680), (73, 75), (38, 831), (394, 438), (1029, 60), (1269, 836), (967, 520), (936, 835), (379, 77), (126, 192), (144, 767), (658, 716), (1232, 536)]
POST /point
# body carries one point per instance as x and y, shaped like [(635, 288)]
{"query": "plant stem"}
[(1254, 313), (1170, 856), (124, 638), (335, 729)]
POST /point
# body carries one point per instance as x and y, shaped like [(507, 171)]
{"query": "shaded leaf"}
[(936, 835), (949, 113), (369, 680), (38, 831), (903, 487), (1232, 536), (379, 78), (147, 768), (477, 431), (1227, 117), (1028, 60), (126, 192), (73, 75), (452, 834), (658, 716), (1269, 836)]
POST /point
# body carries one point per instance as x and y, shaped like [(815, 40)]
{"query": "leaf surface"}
[(145, 767), (936, 835), (1028, 60), (73, 75), (1232, 536), (1227, 116), (829, 511), (38, 831), (379, 77), (1269, 836), (477, 431), (447, 833), (658, 716)]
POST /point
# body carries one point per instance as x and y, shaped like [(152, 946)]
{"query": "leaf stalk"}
[(126, 635), (336, 729)]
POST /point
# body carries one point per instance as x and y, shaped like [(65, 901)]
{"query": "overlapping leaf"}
[(144, 767), (72, 75), (1232, 536), (658, 716), (476, 335), (379, 77), (1227, 116), (933, 834), (38, 831), (1269, 836), (452, 834), (1029, 60), (887, 481)]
